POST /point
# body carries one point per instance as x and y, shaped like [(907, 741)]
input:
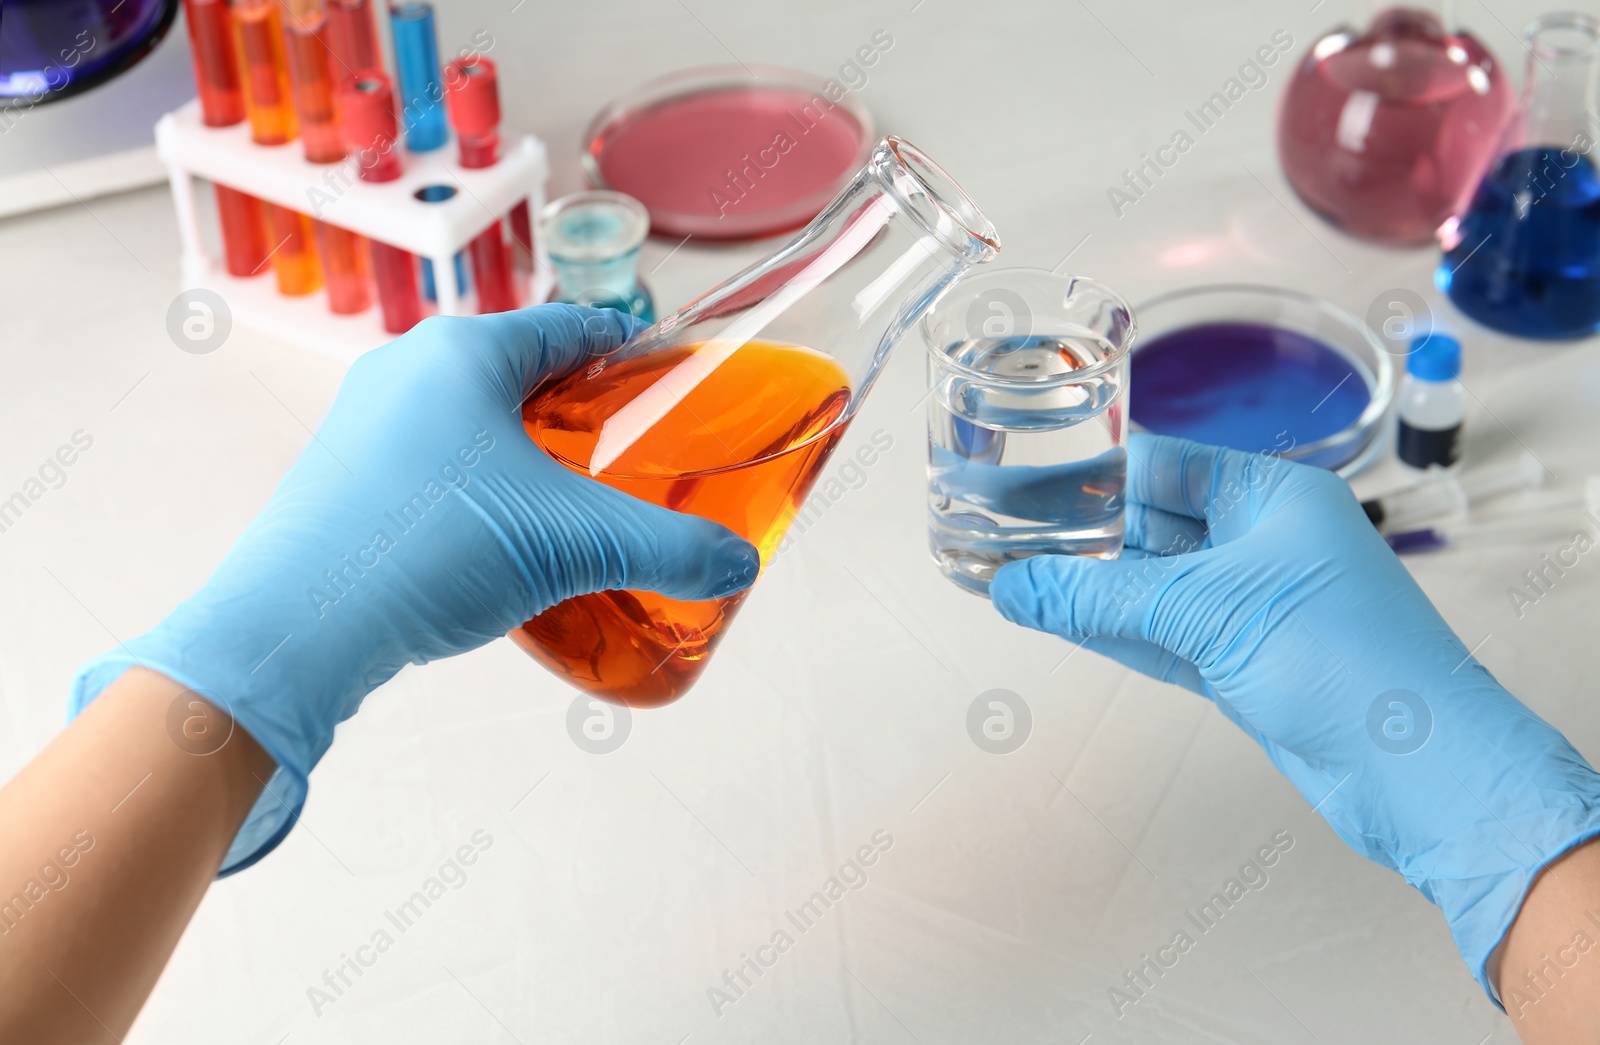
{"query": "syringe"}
[(1548, 520), (1446, 495)]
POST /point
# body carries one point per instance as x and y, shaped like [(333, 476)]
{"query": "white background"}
[(618, 891)]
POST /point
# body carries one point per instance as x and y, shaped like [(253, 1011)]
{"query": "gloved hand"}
[(1260, 584), (420, 522)]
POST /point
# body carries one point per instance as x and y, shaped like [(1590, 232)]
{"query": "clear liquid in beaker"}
[(1016, 471)]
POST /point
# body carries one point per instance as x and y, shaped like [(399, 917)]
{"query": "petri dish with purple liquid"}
[(1262, 370)]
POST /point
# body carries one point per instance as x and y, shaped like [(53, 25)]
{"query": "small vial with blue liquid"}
[(593, 240), (1525, 258), (1432, 404)]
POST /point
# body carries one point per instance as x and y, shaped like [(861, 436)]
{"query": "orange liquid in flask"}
[(743, 448)]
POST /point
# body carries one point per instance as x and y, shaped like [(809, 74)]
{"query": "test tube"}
[(216, 73), (522, 236), (352, 37), (416, 60), (266, 72), (305, 37), (343, 253), (268, 104), (473, 98), (216, 76), (367, 102), (416, 57), (294, 252)]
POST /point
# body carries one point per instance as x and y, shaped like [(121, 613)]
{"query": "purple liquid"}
[(1248, 387)]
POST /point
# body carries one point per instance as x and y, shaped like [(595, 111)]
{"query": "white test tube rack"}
[(392, 212)]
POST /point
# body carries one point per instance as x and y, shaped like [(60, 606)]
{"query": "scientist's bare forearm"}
[(1549, 974), (108, 840)]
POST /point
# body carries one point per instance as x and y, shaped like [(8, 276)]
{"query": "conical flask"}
[(1526, 257), (729, 407), (1385, 131)]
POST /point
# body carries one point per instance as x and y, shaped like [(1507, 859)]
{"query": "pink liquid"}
[(1388, 136), (731, 163)]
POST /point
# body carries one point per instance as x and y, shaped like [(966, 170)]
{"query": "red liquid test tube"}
[(216, 76), (522, 236), (305, 26), (472, 99), (367, 103), (343, 254), (344, 269), (352, 38)]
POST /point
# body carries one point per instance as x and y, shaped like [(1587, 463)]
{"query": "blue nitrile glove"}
[(1260, 584), (420, 522)]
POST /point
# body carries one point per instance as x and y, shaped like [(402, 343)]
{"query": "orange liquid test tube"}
[(268, 105), (344, 253)]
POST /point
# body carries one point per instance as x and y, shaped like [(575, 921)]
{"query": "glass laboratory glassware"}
[(1263, 370), (730, 152), (416, 60), (592, 239), (352, 38), (51, 50), (343, 253), (366, 103), (729, 407), (1027, 421), (1526, 258), (258, 34), (1385, 131), (241, 217), (472, 100)]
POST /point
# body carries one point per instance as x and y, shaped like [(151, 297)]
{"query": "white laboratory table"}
[(614, 891)]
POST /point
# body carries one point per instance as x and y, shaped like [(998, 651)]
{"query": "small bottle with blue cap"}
[(593, 239), (1432, 403)]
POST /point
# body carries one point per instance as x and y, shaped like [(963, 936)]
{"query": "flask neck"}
[(1559, 107), (1416, 18)]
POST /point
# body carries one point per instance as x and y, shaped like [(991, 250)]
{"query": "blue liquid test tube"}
[(416, 55)]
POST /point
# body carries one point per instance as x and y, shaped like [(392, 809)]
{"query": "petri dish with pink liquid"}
[(730, 152)]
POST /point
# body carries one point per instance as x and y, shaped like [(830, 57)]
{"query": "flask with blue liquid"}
[(593, 239), (1525, 258)]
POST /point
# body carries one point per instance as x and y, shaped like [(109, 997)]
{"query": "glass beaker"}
[(1386, 131), (729, 407), (1526, 257), (593, 239), (1027, 421)]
